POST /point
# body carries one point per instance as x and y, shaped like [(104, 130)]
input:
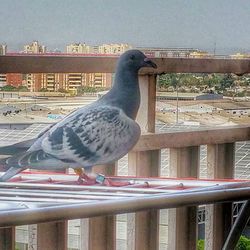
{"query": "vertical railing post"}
[(52, 236), (220, 164), (99, 233), (143, 227), (182, 222), (7, 238)]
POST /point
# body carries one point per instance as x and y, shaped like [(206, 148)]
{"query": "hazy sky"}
[(164, 23)]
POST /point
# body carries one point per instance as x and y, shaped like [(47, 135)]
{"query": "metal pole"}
[(238, 227), (93, 209)]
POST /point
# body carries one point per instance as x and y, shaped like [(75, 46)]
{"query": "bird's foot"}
[(86, 180), (92, 179), (108, 182), (96, 179)]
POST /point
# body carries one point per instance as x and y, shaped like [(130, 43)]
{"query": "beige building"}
[(81, 48), (171, 52), (73, 81), (35, 48), (3, 80), (3, 49), (3, 77), (33, 82), (114, 48), (52, 81)]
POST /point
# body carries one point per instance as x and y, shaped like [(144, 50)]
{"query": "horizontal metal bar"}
[(71, 194), (37, 199), (76, 196), (22, 194), (126, 179), (38, 215), (102, 64), (74, 187)]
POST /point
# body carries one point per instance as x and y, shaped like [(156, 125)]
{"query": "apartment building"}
[(170, 52), (80, 48), (15, 80), (33, 82), (3, 81), (34, 48), (73, 81), (52, 81), (3, 51), (114, 48)]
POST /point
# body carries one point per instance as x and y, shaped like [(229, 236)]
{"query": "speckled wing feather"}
[(97, 136)]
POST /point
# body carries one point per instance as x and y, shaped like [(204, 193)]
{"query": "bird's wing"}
[(96, 136), (22, 146), (17, 147)]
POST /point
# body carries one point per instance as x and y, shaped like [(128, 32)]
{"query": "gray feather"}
[(10, 173)]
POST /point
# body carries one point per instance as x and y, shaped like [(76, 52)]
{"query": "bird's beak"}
[(149, 63)]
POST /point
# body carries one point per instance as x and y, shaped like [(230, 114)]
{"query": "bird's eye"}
[(132, 57)]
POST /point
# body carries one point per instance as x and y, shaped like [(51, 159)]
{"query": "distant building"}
[(81, 48), (3, 49), (15, 80), (33, 82), (3, 81), (114, 48), (52, 81), (73, 81), (35, 48), (240, 56), (99, 80), (171, 52)]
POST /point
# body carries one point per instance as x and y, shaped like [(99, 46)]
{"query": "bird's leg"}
[(84, 178)]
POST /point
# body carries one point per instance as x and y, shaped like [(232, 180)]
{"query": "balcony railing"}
[(144, 160)]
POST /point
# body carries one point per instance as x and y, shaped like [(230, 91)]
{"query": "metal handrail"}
[(128, 205)]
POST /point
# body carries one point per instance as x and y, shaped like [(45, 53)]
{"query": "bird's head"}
[(134, 60)]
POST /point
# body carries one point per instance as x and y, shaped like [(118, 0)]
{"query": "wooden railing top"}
[(102, 64), (218, 135)]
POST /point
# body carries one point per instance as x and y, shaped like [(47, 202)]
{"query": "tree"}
[(8, 88), (167, 80), (22, 88), (61, 90), (89, 89), (226, 82), (43, 90)]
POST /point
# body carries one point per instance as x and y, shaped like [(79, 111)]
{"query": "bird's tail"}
[(10, 173), (30, 159), (15, 164), (11, 169)]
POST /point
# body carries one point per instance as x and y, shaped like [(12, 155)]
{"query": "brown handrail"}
[(101, 64)]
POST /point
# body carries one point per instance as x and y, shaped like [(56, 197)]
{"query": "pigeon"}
[(99, 133)]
